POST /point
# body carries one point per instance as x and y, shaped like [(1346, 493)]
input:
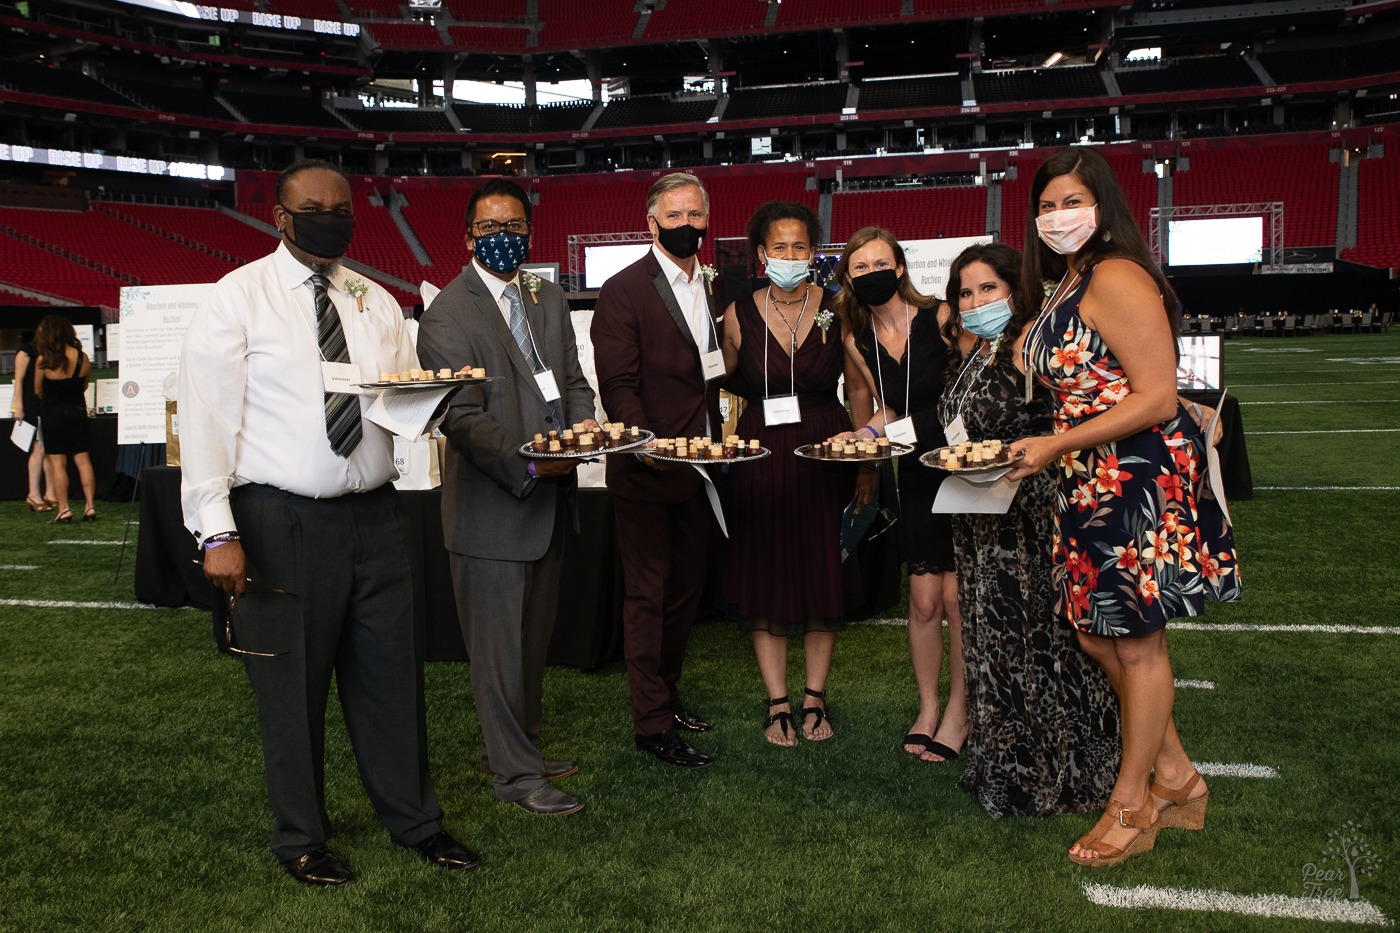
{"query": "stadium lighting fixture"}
[(1055, 58)]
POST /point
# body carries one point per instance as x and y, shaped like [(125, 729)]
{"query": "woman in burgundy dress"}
[(783, 352)]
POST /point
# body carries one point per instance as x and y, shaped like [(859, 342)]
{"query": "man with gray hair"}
[(657, 349)]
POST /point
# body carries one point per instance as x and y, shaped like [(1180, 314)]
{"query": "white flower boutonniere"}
[(824, 319), (532, 283), (357, 289), (708, 273)]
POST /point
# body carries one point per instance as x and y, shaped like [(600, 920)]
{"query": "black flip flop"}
[(914, 738), (938, 748)]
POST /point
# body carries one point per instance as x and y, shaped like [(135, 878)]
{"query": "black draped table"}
[(587, 633), (1234, 456), (587, 630)]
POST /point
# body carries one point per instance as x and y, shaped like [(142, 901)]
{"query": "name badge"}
[(901, 431), (712, 364), (781, 410), (341, 378), (955, 431), (548, 386)]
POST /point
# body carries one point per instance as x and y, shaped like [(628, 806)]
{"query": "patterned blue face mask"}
[(502, 252)]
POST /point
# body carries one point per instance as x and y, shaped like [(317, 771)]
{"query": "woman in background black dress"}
[(892, 336), (60, 379), (26, 408), (783, 571)]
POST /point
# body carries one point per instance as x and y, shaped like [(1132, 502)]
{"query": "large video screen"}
[(601, 263), (1200, 365), (1215, 241)]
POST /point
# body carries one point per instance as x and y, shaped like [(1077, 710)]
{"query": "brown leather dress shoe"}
[(319, 867)]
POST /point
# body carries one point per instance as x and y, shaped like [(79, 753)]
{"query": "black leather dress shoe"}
[(688, 721), (548, 800), (668, 747), (445, 852), (319, 867), (553, 769)]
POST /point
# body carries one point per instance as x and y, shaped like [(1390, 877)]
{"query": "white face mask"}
[(1066, 231)]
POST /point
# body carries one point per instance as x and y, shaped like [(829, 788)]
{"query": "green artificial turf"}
[(131, 776)]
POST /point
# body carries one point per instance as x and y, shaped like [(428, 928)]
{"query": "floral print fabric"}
[(1138, 537)]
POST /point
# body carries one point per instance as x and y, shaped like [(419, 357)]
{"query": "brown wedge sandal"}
[(1181, 812), (1144, 818)]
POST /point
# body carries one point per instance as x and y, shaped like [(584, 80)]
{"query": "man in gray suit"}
[(503, 514)]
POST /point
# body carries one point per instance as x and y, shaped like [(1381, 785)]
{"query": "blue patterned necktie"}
[(342, 411), (520, 330)]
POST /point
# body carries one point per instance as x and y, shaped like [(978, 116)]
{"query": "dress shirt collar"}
[(495, 286), (294, 274), (674, 273)]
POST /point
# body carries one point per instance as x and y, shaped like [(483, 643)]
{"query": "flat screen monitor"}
[(1200, 365), (1215, 241), (601, 263)]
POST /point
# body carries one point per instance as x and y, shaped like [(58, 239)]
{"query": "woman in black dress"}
[(892, 337), (26, 407), (1044, 736), (60, 380), (783, 570)]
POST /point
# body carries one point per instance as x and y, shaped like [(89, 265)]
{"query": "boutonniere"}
[(356, 288), (532, 282), (824, 318), (707, 272)]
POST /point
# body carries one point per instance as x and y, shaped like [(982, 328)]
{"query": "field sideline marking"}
[(1225, 769), (1328, 401), (1325, 909), (1194, 684), (19, 566), (75, 541), (1330, 431), (71, 604), (1308, 385), (1309, 627), (1327, 488)]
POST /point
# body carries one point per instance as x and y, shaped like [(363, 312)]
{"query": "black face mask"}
[(876, 288), (681, 242), (323, 234)]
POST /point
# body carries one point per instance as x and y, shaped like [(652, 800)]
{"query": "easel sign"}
[(153, 319)]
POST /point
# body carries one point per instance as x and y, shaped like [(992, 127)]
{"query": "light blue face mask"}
[(787, 274), (989, 320)]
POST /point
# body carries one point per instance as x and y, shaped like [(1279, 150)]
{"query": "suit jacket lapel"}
[(663, 288), (486, 306)]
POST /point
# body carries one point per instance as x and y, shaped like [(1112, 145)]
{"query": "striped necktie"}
[(520, 330), (342, 411)]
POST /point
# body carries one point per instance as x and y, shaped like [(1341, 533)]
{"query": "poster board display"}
[(928, 261), (154, 319)]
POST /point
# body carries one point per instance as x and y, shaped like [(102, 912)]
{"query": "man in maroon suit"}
[(657, 350)]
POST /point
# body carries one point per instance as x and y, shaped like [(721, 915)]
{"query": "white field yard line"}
[(1235, 386), (1303, 628), (1328, 431), (75, 541), (1181, 684), (1327, 488), (19, 566), (1320, 909), (1229, 769), (71, 604), (1330, 401)]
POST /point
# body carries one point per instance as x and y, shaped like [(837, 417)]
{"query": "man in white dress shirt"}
[(287, 489)]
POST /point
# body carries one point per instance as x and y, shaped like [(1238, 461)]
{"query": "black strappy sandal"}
[(784, 718), (817, 711)]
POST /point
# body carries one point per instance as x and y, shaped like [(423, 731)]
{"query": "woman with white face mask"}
[(783, 351), (1138, 539), (1043, 719)]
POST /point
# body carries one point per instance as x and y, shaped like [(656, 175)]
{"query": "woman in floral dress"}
[(1138, 538)]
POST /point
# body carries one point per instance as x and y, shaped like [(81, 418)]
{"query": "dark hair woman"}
[(892, 338), (1138, 541), (26, 409), (60, 380), (783, 351), (1043, 718)]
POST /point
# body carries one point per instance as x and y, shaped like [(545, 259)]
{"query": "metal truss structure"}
[(577, 241), (1272, 210)]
